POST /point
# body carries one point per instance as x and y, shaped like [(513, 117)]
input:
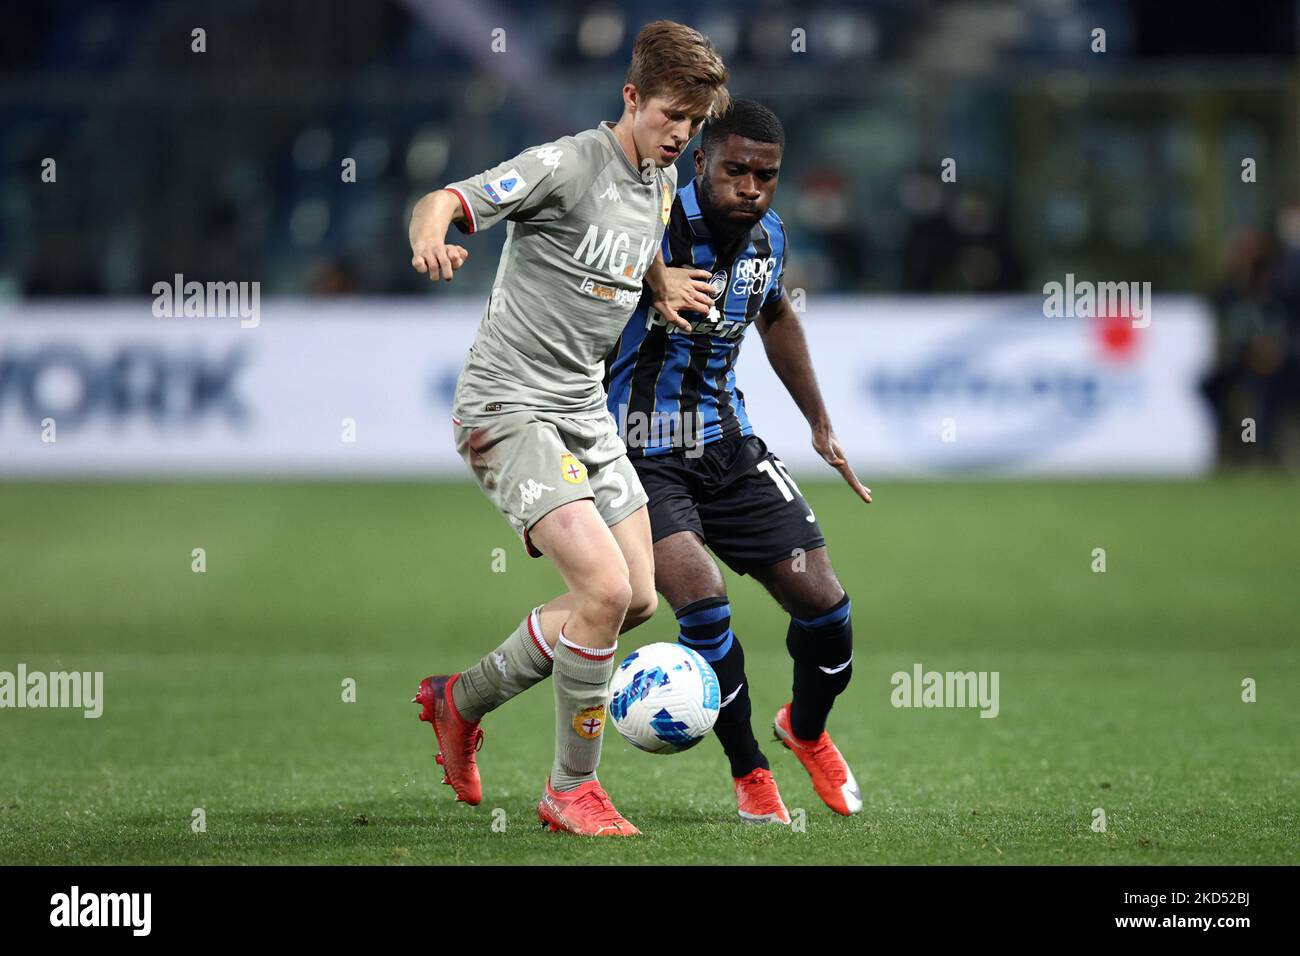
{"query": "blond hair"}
[(676, 63)]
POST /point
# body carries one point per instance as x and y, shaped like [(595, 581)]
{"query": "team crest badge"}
[(667, 210), (589, 722), (572, 470)]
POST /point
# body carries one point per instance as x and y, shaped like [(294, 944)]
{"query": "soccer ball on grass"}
[(664, 698)]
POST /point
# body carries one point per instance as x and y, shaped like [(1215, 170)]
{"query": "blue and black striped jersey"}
[(672, 389)]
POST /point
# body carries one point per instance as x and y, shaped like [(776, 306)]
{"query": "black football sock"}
[(706, 629), (822, 648)]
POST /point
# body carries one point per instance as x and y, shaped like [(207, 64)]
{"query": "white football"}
[(664, 698)]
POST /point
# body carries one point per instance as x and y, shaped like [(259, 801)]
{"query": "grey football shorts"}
[(529, 463)]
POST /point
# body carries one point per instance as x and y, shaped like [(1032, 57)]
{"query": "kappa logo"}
[(572, 470), (499, 660), (589, 722), (531, 490), (611, 193), (548, 156)]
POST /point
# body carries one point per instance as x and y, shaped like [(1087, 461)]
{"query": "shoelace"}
[(603, 809), (832, 765), (767, 799), (474, 744)]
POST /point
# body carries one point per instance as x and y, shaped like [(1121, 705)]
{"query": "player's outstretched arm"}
[(787, 351), (430, 252), (540, 184)]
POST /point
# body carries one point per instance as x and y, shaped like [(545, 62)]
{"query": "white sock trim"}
[(590, 651), (535, 632)]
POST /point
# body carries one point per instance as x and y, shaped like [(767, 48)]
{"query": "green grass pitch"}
[(223, 690)]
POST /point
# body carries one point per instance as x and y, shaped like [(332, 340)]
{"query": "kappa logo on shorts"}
[(531, 490), (572, 470), (589, 722)]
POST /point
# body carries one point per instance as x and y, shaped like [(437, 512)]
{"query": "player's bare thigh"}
[(575, 538), (632, 536), (804, 585), (684, 571)]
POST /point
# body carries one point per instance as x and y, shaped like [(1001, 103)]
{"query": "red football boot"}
[(831, 776), (586, 811), (458, 738), (758, 800)]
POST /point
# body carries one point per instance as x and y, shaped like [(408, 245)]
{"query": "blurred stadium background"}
[(923, 305), (1123, 165)]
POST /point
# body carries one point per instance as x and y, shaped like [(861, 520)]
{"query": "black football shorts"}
[(737, 496)]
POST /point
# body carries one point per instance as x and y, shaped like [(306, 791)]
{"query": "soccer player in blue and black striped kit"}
[(712, 481)]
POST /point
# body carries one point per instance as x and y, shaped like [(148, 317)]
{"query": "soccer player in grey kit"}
[(586, 215)]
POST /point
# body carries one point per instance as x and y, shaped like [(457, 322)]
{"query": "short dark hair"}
[(747, 118)]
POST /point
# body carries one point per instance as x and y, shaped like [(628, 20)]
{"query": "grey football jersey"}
[(583, 228)]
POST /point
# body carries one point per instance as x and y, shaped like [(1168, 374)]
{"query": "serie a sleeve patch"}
[(506, 188)]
